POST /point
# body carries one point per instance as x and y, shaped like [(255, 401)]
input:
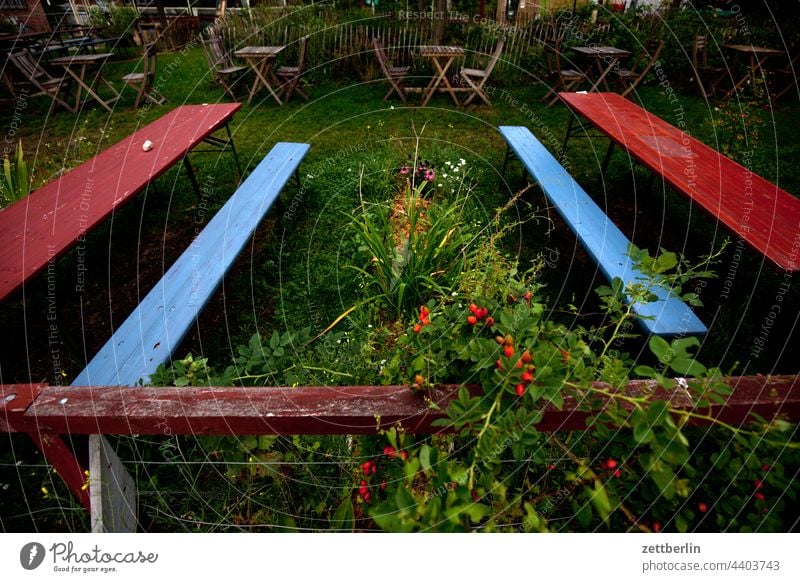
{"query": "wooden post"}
[(112, 491)]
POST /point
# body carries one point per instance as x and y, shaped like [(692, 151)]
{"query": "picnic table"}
[(44, 225), (78, 67), (261, 59), (442, 57), (757, 56), (763, 215), (597, 56)]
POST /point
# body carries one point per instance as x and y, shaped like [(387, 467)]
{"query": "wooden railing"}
[(46, 413)]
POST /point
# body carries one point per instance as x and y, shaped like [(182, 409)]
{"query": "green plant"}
[(122, 20), (410, 262), (15, 184), (505, 476)]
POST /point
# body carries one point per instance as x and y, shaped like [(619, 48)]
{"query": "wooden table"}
[(261, 59), (763, 215), (77, 67), (39, 228), (442, 57), (757, 56), (597, 55)]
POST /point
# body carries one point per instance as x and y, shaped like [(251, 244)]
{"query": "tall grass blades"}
[(15, 184), (416, 250)]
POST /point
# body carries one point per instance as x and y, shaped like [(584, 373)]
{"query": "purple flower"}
[(404, 171), (430, 175)]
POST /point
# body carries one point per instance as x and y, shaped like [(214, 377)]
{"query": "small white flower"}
[(454, 293), (369, 326)]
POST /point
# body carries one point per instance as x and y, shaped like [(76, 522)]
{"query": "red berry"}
[(499, 364), (765, 467), (374, 469), (551, 467), (490, 321), (611, 464), (527, 377), (472, 320), (383, 485), (656, 527), (702, 507), (425, 321), (363, 491), (518, 365), (508, 351), (520, 389), (758, 495), (758, 484), (363, 483), (366, 497), (526, 357), (527, 297), (389, 451), (418, 328), (424, 311), (617, 473), (482, 312), (473, 308), (403, 455)]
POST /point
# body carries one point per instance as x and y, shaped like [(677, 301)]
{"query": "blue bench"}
[(605, 243), (156, 327)]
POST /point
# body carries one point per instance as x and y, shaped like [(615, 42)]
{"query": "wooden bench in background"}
[(605, 243)]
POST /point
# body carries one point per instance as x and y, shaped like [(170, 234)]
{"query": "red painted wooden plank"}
[(338, 409), (14, 401), (761, 213), (63, 460), (45, 224)]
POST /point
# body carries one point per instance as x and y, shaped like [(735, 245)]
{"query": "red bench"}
[(762, 214), (51, 220)]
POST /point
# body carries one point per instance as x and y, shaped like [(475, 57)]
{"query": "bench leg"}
[(607, 159), (63, 460), (506, 159), (569, 131), (192, 177), (233, 150)]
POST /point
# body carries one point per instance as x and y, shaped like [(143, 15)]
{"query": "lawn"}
[(307, 266)]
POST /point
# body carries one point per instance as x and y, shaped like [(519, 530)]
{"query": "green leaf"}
[(687, 366), (642, 433), (660, 348), (425, 457), (600, 500), (344, 519), (476, 511)]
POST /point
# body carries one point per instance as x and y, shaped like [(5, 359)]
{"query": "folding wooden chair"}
[(630, 78), (225, 72), (40, 78), (290, 76), (476, 78), (394, 75), (561, 79), (143, 82), (708, 78), (789, 73)]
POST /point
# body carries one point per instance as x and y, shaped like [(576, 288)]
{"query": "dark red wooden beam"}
[(326, 409)]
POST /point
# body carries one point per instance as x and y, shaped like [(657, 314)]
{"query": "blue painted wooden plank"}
[(604, 242), (150, 335)]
